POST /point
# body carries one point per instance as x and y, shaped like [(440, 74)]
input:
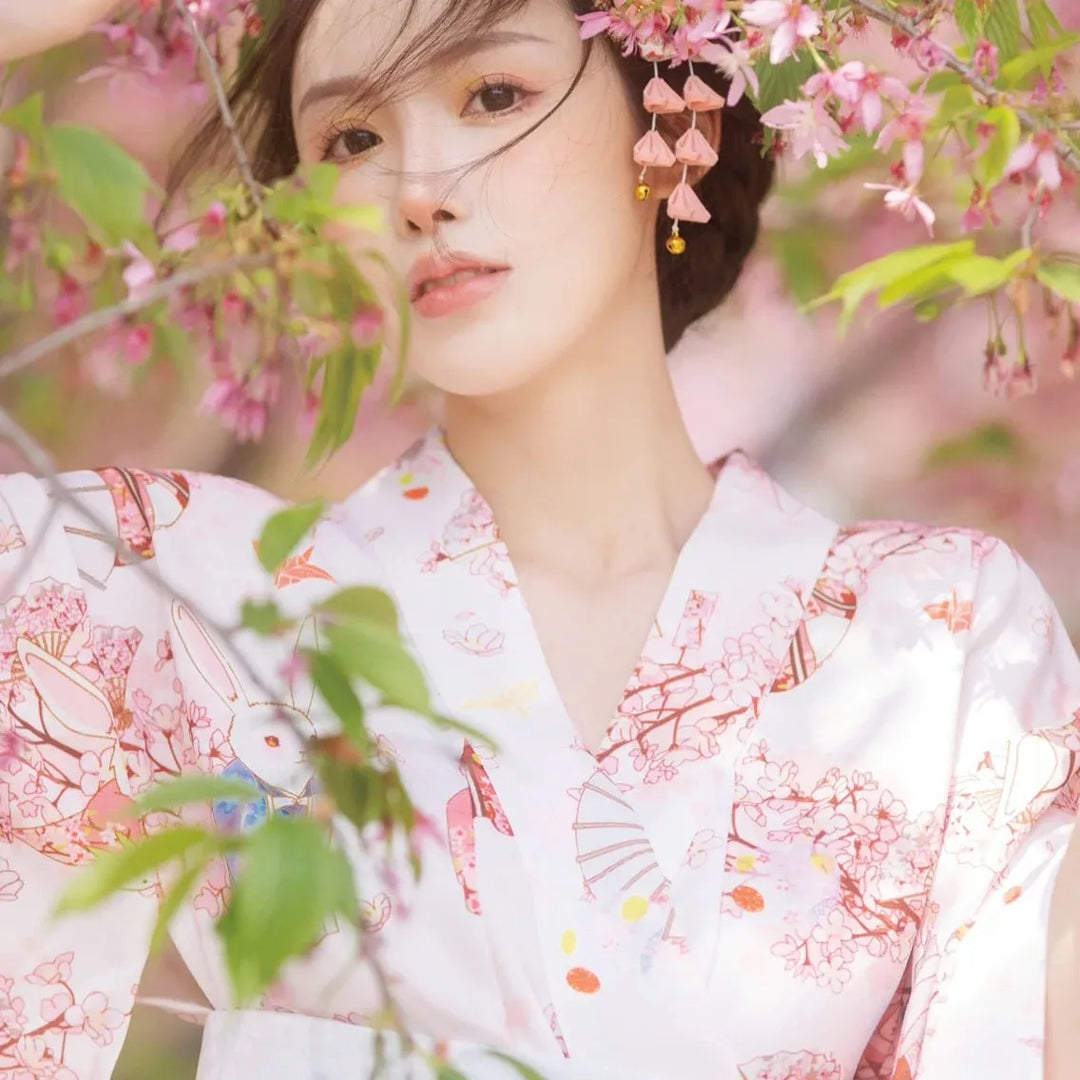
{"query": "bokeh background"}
[(891, 421)]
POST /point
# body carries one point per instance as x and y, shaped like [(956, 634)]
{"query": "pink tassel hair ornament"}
[(691, 29)]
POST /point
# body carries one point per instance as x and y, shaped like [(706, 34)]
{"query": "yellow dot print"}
[(634, 908), (745, 863), (569, 942)]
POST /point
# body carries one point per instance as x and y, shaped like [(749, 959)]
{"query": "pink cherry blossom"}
[(791, 22), (71, 302), (1038, 153), (906, 203), (733, 59), (138, 344), (811, 128), (140, 273), (367, 326), (910, 127)]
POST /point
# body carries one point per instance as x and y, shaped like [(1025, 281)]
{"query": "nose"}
[(424, 204)]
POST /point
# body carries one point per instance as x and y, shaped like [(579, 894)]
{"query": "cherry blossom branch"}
[(213, 76), (103, 318), (1028, 122)]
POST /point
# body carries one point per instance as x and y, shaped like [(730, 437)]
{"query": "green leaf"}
[(527, 1072), (990, 167), (333, 684), (291, 882), (103, 184), (1002, 27), (373, 653), (359, 215), (990, 442), (1043, 22), (176, 895), (28, 116), (799, 253), (955, 103), (264, 618), (111, 871), (284, 531), (968, 17), (854, 286), (362, 602), (193, 788), (353, 789), (1062, 278), (1015, 72), (982, 274), (782, 82), (921, 284)]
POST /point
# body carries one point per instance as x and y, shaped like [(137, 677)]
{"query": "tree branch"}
[(103, 318), (1028, 122), (213, 76)]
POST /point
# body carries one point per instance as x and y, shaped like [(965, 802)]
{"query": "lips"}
[(430, 274)]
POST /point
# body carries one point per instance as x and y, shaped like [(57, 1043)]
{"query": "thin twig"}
[(103, 318), (1028, 122), (213, 76)]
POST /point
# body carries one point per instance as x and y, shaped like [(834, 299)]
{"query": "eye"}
[(346, 143), (272, 741), (494, 96)]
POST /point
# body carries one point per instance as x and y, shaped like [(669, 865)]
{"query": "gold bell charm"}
[(642, 191), (675, 243)]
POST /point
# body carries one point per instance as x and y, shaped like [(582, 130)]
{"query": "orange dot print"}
[(903, 1070), (748, 899), (1013, 894), (417, 493), (582, 980)]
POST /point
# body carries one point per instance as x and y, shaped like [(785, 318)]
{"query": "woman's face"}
[(547, 239)]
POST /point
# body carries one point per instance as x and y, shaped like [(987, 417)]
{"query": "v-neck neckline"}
[(673, 597)]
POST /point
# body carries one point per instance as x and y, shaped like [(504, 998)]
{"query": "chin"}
[(485, 359)]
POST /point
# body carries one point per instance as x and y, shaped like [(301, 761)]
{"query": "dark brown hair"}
[(690, 284)]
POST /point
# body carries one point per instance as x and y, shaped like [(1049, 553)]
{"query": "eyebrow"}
[(354, 85)]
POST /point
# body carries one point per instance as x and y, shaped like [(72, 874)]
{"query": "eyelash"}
[(488, 82)]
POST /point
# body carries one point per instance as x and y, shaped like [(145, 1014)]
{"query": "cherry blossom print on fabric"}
[(136, 503), (477, 800), (45, 1015), (839, 856), (64, 682), (471, 538), (800, 1065)]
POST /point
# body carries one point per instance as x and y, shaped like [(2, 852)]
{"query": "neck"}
[(589, 468)]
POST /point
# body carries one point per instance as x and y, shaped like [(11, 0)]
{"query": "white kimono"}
[(818, 842)]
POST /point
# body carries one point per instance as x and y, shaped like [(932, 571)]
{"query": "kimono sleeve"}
[(977, 1004), (73, 659)]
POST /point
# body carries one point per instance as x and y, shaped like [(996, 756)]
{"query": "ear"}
[(672, 126)]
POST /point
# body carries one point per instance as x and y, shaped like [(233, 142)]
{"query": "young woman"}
[(772, 797)]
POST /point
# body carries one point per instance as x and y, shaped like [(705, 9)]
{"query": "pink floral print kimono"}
[(818, 842)]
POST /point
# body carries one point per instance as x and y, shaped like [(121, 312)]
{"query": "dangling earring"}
[(691, 149), (651, 151)]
